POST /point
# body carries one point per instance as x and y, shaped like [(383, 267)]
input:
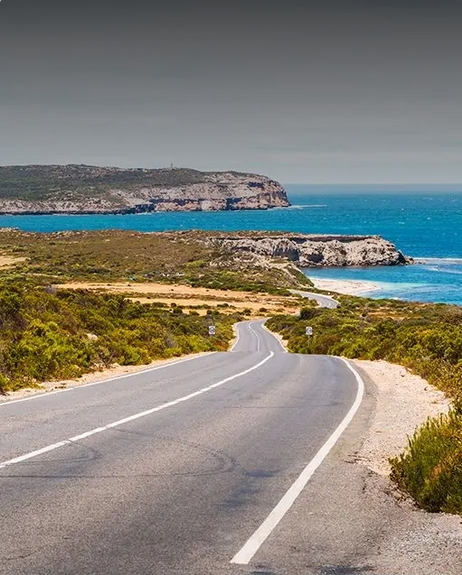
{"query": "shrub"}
[(44, 335), (431, 467)]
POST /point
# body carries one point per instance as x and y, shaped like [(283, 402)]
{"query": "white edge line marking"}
[(253, 544), (256, 335), (84, 385), (237, 336), (76, 438), (276, 338)]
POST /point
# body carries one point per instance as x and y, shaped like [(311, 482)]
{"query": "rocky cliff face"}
[(87, 189), (220, 192), (318, 250)]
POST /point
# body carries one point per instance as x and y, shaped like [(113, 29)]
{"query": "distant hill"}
[(75, 189)]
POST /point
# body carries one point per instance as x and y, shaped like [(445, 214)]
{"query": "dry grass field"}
[(195, 298)]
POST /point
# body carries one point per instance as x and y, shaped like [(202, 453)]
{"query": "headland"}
[(82, 189)]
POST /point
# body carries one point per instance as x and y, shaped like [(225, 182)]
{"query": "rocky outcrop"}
[(91, 190), (318, 250)]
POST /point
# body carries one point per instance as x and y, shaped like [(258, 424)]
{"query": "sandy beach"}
[(347, 287)]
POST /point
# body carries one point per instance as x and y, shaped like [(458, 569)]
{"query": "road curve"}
[(175, 470), (323, 300)]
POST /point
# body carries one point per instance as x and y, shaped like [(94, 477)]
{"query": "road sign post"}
[(212, 330), (308, 330)]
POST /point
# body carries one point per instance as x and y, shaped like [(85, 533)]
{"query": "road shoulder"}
[(403, 403), (376, 530), (92, 377)]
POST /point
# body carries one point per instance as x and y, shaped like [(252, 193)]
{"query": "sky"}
[(329, 91)]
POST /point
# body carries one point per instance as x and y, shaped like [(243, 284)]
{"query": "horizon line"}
[(376, 184)]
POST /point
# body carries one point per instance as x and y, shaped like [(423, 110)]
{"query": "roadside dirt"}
[(403, 403)]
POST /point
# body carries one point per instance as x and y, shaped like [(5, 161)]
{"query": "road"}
[(227, 463), (323, 300)]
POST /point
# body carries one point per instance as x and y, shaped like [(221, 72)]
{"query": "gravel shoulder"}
[(403, 402), (92, 377), (411, 541)]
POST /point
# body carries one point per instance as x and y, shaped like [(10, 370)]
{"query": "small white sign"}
[(211, 330), (309, 330)]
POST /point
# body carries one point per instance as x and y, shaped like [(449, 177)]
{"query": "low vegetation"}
[(48, 333), (431, 467), (45, 182), (425, 338), (48, 336), (177, 257)]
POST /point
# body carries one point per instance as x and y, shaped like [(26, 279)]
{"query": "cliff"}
[(317, 250), (80, 189)]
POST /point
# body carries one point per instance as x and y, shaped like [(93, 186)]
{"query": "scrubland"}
[(75, 302)]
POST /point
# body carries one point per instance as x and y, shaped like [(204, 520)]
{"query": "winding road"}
[(323, 300), (226, 463)]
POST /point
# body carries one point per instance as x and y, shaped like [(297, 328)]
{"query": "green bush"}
[(47, 336), (431, 467)]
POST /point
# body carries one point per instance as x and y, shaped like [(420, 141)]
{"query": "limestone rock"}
[(318, 250)]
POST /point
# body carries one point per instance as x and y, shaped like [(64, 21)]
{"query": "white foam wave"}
[(443, 261), (445, 271), (304, 206)]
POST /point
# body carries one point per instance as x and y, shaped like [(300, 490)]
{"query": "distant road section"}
[(323, 300)]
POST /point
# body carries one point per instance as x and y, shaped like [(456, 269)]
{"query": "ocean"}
[(425, 223)]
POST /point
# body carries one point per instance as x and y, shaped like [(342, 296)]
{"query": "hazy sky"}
[(317, 92)]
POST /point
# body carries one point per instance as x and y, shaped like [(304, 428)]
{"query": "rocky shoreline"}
[(310, 250), (283, 253)]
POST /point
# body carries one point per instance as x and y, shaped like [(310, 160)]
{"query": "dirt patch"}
[(9, 261)]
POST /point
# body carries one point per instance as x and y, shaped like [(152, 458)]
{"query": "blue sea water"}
[(424, 223)]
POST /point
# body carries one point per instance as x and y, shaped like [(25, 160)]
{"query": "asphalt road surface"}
[(323, 300), (228, 463)]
